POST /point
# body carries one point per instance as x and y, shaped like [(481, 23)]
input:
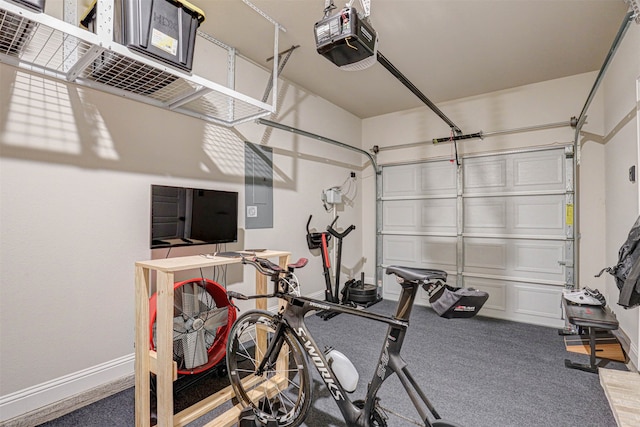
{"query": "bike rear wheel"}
[(283, 391)]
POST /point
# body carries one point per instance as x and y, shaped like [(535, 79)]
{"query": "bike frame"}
[(388, 363)]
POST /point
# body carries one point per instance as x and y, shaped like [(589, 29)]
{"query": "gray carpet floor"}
[(477, 372)]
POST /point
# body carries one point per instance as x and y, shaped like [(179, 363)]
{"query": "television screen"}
[(183, 216)]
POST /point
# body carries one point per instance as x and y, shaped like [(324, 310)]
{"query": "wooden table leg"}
[(282, 364), (164, 348), (142, 383)]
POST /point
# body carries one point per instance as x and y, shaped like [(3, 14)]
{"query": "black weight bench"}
[(595, 320)]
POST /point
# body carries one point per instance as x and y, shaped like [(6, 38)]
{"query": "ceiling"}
[(448, 49)]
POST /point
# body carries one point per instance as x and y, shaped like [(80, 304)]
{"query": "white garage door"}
[(501, 223)]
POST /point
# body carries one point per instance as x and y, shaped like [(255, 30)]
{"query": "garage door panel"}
[(539, 214), (431, 179), (519, 215), (516, 172), (539, 169), (438, 215), (400, 181), (539, 258), (401, 215), (485, 175), (438, 178), (485, 215), (420, 251), (536, 300), (438, 252), (497, 292), (515, 258), (420, 216), (400, 249), (486, 254)]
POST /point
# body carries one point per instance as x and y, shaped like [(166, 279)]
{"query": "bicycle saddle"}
[(412, 274)]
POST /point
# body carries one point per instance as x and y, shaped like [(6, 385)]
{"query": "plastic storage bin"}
[(162, 29), (37, 5)]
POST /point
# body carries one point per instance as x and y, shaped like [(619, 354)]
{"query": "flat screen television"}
[(182, 216)]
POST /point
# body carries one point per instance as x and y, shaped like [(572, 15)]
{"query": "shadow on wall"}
[(43, 119), (46, 120)]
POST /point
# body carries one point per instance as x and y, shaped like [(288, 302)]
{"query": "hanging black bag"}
[(458, 303), (627, 270)]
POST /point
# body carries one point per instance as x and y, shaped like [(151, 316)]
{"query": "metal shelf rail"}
[(46, 45)]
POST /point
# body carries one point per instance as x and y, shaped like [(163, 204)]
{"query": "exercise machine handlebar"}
[(337, 234)]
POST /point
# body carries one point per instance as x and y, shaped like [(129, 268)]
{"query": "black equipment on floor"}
[(360, 293)]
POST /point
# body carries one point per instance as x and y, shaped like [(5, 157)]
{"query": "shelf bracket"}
[(86, 60)]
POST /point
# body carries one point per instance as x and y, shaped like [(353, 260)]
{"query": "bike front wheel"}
[(283, 391)]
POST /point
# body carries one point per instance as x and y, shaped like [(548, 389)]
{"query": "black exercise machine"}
[(354, 292), (321, 241), (339, 237)]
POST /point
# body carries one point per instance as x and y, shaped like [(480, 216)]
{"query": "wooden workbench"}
[(160, 362)]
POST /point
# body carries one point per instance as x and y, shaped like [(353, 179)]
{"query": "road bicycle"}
[(266, 352)]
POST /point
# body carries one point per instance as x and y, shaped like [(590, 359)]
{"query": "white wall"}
[(621, 152), (76, 167)]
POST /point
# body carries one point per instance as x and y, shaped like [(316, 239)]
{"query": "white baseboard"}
[(37, 404), (634, 358), (630, 348)]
